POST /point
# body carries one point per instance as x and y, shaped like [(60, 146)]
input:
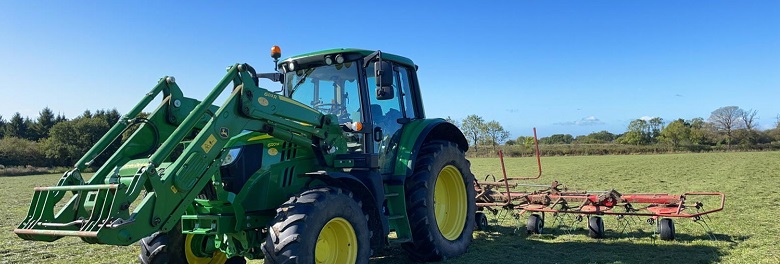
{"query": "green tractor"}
[(325, 170)]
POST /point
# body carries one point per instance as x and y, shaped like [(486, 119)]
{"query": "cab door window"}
[(404, 76), (386, 114)]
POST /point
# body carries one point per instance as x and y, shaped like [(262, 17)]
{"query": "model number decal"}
[(272, 95)]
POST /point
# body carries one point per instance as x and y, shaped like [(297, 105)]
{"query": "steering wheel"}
[(334, 109), (326, 108)]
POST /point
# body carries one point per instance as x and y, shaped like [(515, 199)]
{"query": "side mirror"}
[(384, 80)]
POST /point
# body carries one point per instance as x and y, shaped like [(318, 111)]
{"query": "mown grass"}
[(747, 231)]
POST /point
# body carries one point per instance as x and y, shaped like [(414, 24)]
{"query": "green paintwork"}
[(109, 208), (411, 133)]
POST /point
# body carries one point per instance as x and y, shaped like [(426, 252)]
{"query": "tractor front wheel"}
[(337, 219), (175, 247), (440, 203)]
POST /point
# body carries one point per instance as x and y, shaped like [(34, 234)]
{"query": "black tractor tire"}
[(666, 229), (595, 227), (429, 242), (162, 248), (481, 221), (535, 224), (327, 212)]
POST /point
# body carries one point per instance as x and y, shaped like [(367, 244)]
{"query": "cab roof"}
[(362, 52)]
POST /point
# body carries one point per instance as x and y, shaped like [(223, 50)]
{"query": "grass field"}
[(747, 231)]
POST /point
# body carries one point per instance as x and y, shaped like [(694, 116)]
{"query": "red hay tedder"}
[(557, 200)]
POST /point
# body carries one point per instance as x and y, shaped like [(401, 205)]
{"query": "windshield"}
[(331, 89)]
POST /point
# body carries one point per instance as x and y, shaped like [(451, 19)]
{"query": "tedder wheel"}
[(535, 224), (321, 225), (175, 247), (440, 203), (595, 227), (666, 229), (481, 221)]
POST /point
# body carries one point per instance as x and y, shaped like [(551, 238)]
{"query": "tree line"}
[(727, 128), (53, 141), (478, 132)]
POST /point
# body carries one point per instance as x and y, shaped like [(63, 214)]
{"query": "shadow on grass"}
[(502, 244), (642, 231)]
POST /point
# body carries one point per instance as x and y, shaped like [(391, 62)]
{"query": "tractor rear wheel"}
[(175, 247), (440, 203), (337, 219)]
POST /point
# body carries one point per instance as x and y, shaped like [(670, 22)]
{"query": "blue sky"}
[(561, 66)]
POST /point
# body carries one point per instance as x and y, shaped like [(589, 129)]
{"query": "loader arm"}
[(99, 210)]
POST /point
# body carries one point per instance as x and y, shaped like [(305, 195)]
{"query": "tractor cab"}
[(371, 93)]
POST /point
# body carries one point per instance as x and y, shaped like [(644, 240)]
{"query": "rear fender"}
[(413, 136), (416, 133)]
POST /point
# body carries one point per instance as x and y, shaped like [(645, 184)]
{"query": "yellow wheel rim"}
[(217, 257), (450, 202), (336, 243)]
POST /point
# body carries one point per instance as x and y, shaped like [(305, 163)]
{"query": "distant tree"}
[(655, 125), (777, 121), (527, 141), (2, 127), (60, 118), (495, 133), (747, 137), (603, 135), (86, 114), (473, 126), (30, 125), (70, 140), (639, 125), (701, 132), (631, 138), (676, 132), (748, 118), (774, 134), (15, 151), (596, 137), (639, 133), (452, 121), (557, 139), (726, 119), (44, 123), (112, 116), (16, 127)]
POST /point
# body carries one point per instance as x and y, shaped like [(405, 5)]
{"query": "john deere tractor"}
[(324, 170)]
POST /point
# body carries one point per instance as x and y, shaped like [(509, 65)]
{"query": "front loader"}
[(322, 171)]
